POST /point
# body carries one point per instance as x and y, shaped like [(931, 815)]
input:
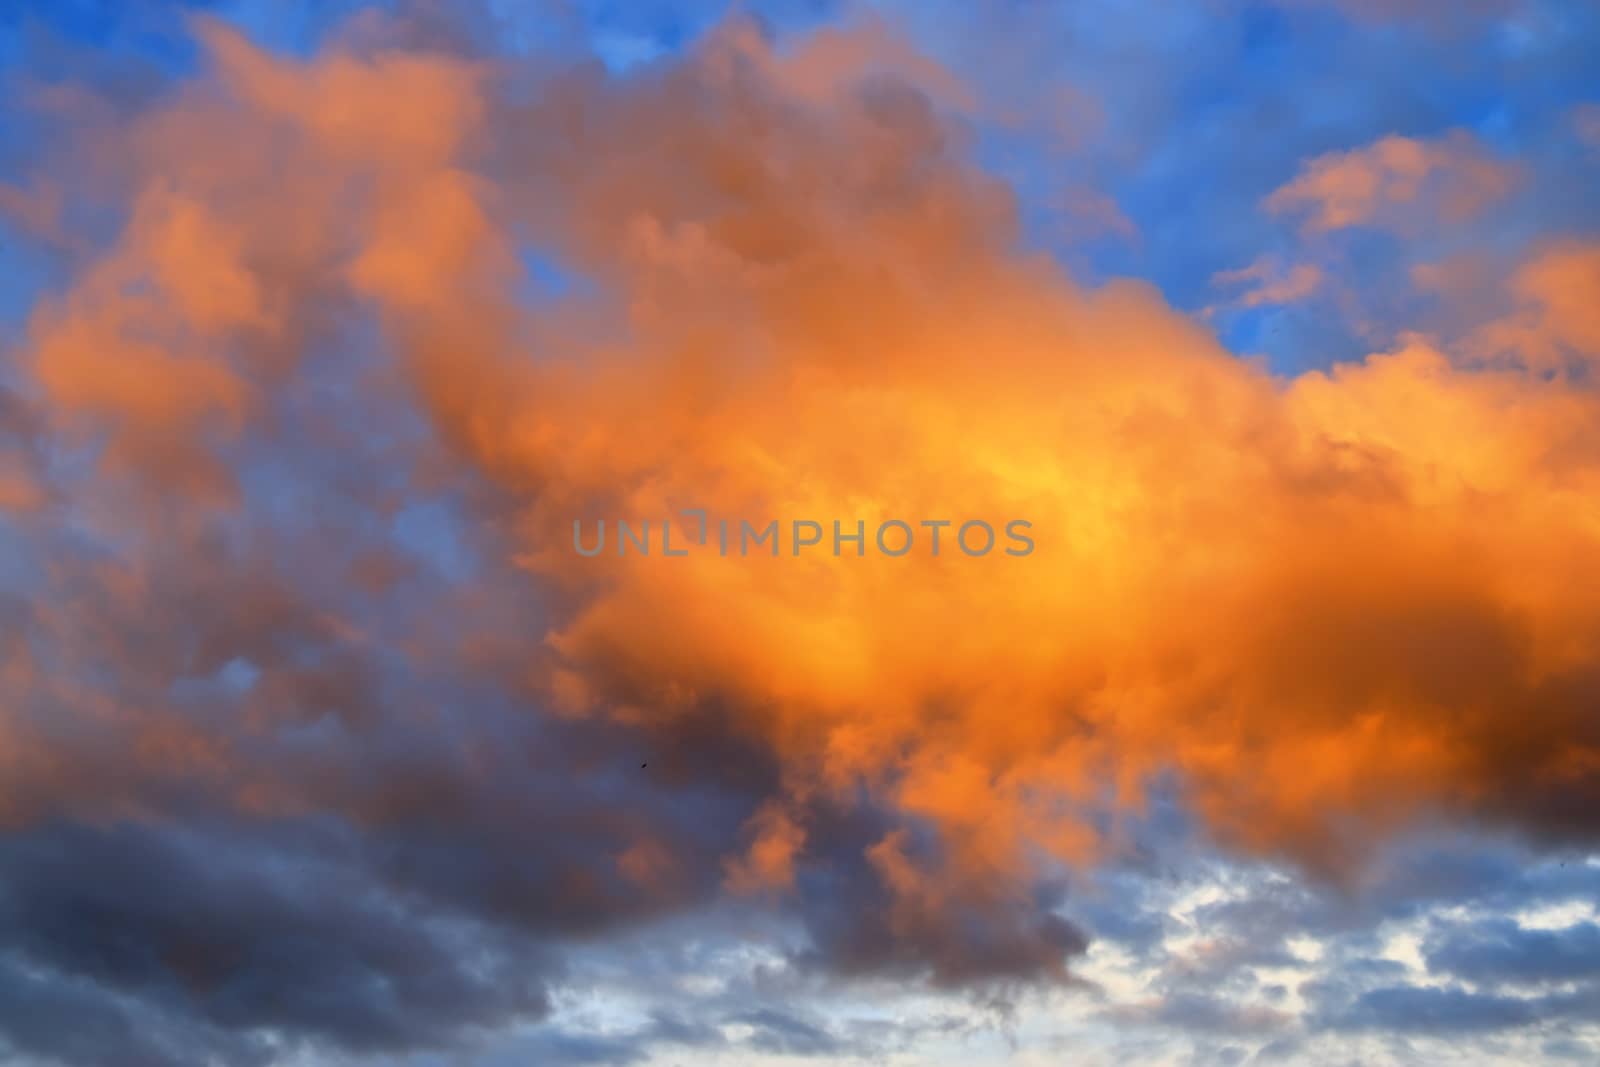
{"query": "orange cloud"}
[(1555, 326), (1268, 283), (1453, 176), (1327, 605), (1585, 120)]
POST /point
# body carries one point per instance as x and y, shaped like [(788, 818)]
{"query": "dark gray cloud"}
[(1499, 950), (254, 936), (784, 1034), (1199, 1013), (857, 927), (1427, 1009)]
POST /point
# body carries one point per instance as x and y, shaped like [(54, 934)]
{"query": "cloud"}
[(1501, 950), (1555, 324), (1426, 1009), (1266, 283), (1321, 608), (1086, 214), (1388, 182), (782, 1034), (1205, 1014), (1586, 124), (1409, 10), (222, 940)]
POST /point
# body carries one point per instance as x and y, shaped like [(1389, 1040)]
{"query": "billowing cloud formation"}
[(297, 452)]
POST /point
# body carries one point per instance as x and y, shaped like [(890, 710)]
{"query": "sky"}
[(331, 335)]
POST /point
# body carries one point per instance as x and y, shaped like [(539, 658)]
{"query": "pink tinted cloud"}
[(1395, 182)]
